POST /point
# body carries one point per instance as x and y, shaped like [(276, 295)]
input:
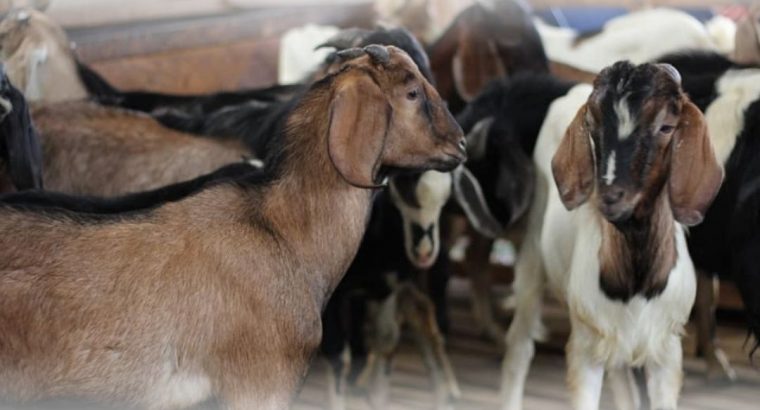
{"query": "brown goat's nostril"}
[(612, 195)]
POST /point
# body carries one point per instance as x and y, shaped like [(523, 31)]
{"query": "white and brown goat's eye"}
[(412, 95)]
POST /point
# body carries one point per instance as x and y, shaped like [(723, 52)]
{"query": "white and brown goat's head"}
[(637, 134)]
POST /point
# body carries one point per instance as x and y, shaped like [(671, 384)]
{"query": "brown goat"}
[(218, 293), (136, 154), (485, 42)]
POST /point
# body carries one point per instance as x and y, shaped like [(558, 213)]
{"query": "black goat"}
[(502, 125), (249, 115), (20, 151), (727, 242)]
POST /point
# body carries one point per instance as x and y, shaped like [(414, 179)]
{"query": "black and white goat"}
[(384, 289), (619, 168), (726, 242)]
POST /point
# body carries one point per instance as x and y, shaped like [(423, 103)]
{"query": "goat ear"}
[(477, 138), (359, 117), (20, 145), (476, 62), (695, 174), (573, 163), (469, 196)]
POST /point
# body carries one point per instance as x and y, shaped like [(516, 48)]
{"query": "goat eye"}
[(412, 95), (667, 129)]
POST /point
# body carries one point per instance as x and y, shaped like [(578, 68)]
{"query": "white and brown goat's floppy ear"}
[(695, 173), (359, 117), (573, 163)]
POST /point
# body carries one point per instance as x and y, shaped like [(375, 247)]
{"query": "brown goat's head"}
[(636, 134), (385, 114)]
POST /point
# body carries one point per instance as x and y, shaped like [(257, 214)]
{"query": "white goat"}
[(606, 237)]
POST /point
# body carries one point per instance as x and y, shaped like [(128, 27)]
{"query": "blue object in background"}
[(589, 20)]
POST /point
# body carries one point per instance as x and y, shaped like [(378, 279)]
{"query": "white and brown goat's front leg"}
[(584, 375), (665, 375), (526, 326), (418, 312), (625, 392)]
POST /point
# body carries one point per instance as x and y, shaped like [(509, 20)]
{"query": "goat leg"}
[(664, 377), (718, 365), (384, 330), (337, 371), (625, 392), (419, 312), (478, 254)]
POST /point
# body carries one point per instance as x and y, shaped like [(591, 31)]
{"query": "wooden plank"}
[(124, 40), (244, 64)]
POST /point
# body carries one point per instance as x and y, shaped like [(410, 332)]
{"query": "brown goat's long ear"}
[(359, 117), (695, 174), (573, 164)]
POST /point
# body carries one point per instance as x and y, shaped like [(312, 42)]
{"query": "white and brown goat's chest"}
[(615, 332)]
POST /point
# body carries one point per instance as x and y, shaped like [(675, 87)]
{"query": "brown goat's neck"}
[(317, 214), (637, 256)]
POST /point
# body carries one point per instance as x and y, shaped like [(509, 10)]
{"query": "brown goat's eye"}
[(412, 95), (667, 129)]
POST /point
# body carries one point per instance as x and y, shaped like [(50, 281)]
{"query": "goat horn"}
[(379, 54), (672, 72), (350, 53), (345, 39)]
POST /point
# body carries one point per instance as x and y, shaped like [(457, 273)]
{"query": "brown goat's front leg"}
[(478, 261), (419, 312), (718, 365)]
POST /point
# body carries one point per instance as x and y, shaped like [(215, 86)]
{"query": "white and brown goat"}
[(634, 164), (218, 293)]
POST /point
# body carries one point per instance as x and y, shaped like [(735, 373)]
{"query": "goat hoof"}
[(719, 368)]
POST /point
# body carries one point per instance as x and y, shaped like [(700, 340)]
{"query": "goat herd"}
[(188, 247)]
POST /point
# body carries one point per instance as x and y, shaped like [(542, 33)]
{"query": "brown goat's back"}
[(94, 150)]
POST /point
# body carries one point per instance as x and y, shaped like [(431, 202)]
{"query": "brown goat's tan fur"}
[(93, 150), (216, 294)]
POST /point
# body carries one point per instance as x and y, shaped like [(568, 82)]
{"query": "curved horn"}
[(672, 72), (350, 54), (345, 39), (379, 54)]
